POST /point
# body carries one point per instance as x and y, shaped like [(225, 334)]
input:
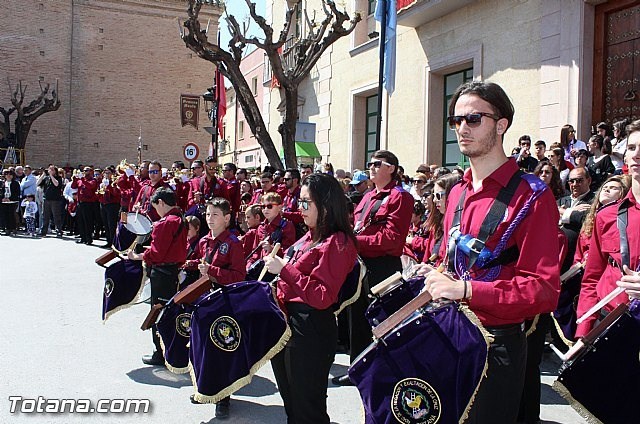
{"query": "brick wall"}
[(121, 67)]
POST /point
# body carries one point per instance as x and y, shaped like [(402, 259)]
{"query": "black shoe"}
[(222, 410), (342, 380), (156, 359), (77, 241), (193, 400), (88, 242), (59, 234)]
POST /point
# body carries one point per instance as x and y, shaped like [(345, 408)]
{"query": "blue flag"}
[(389, 43)]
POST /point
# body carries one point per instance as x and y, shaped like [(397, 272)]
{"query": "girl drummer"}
[(606, 267), (308, 286)]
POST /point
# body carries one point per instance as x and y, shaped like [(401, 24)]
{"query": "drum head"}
[(138, 224)]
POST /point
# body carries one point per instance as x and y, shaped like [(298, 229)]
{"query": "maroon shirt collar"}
[(502, 175)]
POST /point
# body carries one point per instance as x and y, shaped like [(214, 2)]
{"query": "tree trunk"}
[(288, 128)]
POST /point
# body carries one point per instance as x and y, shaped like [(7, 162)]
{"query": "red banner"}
[(403, 4), (189, 108)]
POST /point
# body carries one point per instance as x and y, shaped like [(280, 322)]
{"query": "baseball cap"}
[(358, 177)]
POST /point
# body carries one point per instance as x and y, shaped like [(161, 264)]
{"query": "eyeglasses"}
[(304, 203), (473, 120), (377, 163), (196, 167), (572, 131), (575, 180), (418, 181), (226, 169), (211, 168), (439, 195), (287, 179), (154, 171), (269, 206)]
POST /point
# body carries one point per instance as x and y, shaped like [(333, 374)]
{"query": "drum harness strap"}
[(372, 213), (474, 248), (622, 222), (212, 189)]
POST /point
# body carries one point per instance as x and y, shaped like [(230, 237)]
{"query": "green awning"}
[(305, 150)]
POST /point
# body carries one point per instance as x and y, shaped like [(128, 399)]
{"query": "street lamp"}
[(210, 107)]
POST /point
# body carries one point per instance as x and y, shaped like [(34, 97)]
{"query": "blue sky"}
[(239, 9)]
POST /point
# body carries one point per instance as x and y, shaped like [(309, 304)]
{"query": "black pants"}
[(8, 216), (498, 397), (52, 207), (302, 367), (109, 212), (530, 402), (378, 269), (164, 285), (87, 213)]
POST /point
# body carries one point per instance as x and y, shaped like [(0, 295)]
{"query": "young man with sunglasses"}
[(148, 187), (207, 186), (382, 220), (523, 280)]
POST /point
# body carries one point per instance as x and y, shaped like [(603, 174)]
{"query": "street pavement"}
[(54, 345)]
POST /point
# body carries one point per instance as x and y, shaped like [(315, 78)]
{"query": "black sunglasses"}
[(287, 179), (575, 180), (269, 206), (377, 163), (473, 120)]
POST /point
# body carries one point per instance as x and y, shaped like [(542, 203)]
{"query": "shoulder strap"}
[(622, 223)]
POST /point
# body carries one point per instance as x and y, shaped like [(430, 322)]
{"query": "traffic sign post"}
[(191, 151)]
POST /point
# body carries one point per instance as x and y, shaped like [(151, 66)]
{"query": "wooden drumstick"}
[(271, 255), (384, 284), (608, 298)]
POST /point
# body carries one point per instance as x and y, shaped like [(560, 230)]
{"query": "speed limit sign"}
[(191, 151)]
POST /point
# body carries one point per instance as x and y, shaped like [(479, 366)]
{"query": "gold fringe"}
[(488, 338), (363, 272), (577, 406), (238, 384), (135, 298), (534, 325), (170, 367), (566, 341)]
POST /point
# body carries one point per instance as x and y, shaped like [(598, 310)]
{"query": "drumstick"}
[(608, 298), (136, 220), (382, 286), (271, 255)]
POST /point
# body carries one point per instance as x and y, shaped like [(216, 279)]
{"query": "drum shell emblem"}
[(183, 324), (415, 402), (225, 333), (108, 287)]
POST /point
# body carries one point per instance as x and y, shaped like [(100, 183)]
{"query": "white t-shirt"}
[(618, 146)]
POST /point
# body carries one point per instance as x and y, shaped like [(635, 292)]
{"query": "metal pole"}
[(383, 33)]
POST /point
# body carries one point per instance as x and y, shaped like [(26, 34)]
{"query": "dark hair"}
[(165, 194), (231, 166), (156, 163), (556, 183), (220, 203), (524, 138), (241, 171), (295, 174), (598, 139), (564, 135), (194, 221), (633, 127), (608, 132), (621, 126), (306, 166), (197, 162), (489, 92), (540, 142), (435, 218), (211, 159), (266, 175), (329, 198), (246, 197), (179, 164), (388, 157), (559, 152), (582, 152), (418, 208), (256, 210)]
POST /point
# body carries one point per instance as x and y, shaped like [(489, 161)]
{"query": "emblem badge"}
[(108, 287), (415, 402), (225, 333), (183, 325), (224, 248)]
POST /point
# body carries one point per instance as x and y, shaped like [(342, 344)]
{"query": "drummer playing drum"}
[(524, 281), (223, 260), (164, 257), (606, 265), (308, 287)]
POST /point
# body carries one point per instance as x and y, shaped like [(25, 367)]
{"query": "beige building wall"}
[(121, 67), (539, 51)]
